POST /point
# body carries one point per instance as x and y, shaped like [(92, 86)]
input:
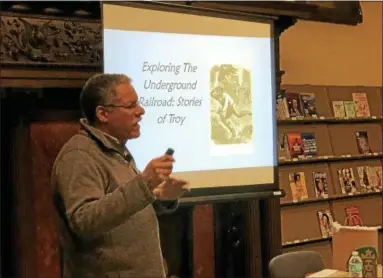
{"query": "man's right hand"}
[(158, 170)]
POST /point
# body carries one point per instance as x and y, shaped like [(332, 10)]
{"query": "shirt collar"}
[(107, 140), (110, 137)]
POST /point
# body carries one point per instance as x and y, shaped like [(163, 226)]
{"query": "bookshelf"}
[(335, 149)]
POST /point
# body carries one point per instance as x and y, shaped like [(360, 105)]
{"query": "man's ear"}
[(102, 114)]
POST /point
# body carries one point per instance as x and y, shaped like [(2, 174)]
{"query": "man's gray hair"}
[(99, 90)]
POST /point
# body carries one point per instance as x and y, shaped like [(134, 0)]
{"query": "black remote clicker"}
[(169, 151)]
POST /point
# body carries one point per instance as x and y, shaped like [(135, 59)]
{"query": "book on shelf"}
[(295, 144), (370, 178), (309, 143), (349, 109), (298, 187), (347, 181), (283, 146), (364, 173), (362, 142), (353, 217), (325, 222), (309, 104), (282, 108), (362, 108), (320, 184), (376, 174), (338, 107), (294, 105)]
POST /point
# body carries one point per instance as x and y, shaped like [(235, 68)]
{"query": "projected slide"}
[(231, 107), (208, 95)]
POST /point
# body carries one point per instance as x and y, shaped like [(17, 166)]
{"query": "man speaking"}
[(106, 207)]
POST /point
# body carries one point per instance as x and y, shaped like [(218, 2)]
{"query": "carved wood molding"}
[(41, 42), (338, 12), (76, 9)]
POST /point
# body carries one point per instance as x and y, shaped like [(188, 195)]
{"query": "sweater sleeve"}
[(90, 212), (165, 207)]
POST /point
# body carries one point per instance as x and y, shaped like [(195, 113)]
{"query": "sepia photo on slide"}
[(230, 105)]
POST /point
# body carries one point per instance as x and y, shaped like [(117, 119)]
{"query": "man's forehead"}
[(126, 92)]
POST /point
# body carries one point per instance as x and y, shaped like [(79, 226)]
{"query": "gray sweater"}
[(106, 212)]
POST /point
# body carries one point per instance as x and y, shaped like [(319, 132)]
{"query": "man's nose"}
[(141, 110)]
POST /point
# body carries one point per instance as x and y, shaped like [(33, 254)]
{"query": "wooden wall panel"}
[(23, 230), (254, 243), (380, 246), (370, 209), (271, 226), (203, 242), (301, 222), (46, 140), (343, 138)]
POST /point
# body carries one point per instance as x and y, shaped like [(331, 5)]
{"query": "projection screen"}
[(207, 86)]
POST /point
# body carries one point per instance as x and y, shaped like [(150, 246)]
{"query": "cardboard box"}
[(347, 239)]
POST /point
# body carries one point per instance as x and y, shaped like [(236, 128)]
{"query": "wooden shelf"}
[(331, 198), (329, 158), (337, 148), (299, 242), (329, 120), (305, 241)]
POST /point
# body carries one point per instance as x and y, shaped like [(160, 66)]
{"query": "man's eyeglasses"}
[(126, 106)]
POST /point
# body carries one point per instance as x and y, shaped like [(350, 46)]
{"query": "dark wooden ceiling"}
[(339, 12)]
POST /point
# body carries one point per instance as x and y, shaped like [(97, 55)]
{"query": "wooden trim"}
[(331, 198), (203, 242), (253, 240), (7, 73), (58, 37), (28, 83), (271, 232), (24, 203), (331, 158), (37, 78), (343, 12)]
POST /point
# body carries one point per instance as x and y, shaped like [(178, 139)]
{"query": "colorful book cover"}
[(320, 184), (309, 104), (295, 144), (378, 171), (338, 107), (283, 146), (298, 186), (364, 173), (363, 142), (353, 217), (375, 177), (309, 143), (347, 181), (294, 104), (282, 108), (362, 109), (325, 223), (349, 109)]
